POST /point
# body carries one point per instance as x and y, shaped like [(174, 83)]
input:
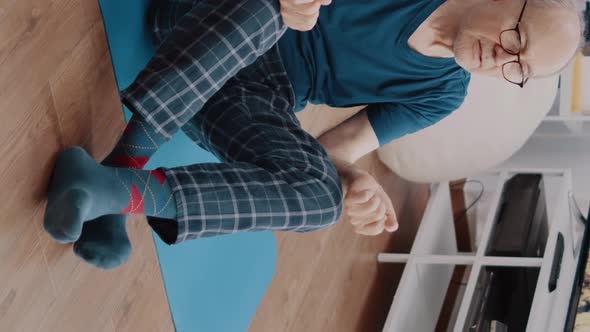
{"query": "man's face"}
[(549, 37)]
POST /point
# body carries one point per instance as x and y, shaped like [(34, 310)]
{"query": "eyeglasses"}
[(511, 44)]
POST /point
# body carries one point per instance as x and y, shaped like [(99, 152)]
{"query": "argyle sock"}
[(82, 190), (104, 242), (137, 144)]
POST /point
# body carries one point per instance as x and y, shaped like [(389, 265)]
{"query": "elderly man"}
[(230, 75)]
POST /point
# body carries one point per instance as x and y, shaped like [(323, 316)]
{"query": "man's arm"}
[(351, 139), (367, 205)]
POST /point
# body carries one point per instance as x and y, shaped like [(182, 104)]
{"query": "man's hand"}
[(367, 205), (301, 15), (365, 202)]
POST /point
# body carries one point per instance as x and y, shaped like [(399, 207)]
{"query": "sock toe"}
[(104, 242), (65, 214), (101, 255)]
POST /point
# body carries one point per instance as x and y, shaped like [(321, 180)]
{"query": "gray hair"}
[(569, 5)]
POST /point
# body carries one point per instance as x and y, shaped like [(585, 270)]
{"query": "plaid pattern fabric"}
[(273, 175), (208, 46), (164, 14)]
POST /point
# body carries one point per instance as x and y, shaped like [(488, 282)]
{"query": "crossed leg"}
[(210, 41), (274, 175)]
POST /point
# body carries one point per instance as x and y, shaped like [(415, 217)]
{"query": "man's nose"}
[(501, 56)]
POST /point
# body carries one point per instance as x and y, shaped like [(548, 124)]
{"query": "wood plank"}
[(89, 114), (57, 89), (24, 174), (26, 291), (330, 280), (131, 296)]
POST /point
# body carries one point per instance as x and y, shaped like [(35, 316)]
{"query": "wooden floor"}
[(57, 90), (330, 281)]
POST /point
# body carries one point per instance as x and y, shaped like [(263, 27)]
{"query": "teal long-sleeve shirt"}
[(358, 54)]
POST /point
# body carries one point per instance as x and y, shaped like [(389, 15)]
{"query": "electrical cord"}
[(472, 204)]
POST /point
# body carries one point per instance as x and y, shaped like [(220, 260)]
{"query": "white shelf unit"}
[(430, 264)]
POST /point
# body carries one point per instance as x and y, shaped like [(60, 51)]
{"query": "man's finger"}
[(391, 223), (359, 197), (356, 210), (378, 214), (366, 219), (359, 221), (362, 220), (371, 229)]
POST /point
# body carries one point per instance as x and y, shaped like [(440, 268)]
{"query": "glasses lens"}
[(513, 72), (510, 41)]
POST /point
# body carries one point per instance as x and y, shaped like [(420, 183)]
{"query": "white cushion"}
[(495, 120)]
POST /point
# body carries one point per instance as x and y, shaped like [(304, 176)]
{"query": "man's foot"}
[(104, 242), (80, 190), (83, 190)]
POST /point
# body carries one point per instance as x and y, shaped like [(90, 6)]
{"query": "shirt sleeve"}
[(391, 121)]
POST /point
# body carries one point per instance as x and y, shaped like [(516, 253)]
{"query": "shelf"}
[(434, 258), (550, 308), (432, 236), (425, 290), (461, 260), (563, 127)]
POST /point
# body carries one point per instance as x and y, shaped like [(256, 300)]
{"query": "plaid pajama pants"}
[(218, 76)]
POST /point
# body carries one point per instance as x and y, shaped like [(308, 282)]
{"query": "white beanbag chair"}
[(494, 122)]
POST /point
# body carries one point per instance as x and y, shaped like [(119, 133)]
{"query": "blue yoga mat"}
[(213, 284)]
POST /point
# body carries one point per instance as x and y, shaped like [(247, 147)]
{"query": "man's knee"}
[(260, 15), (271, 8)]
